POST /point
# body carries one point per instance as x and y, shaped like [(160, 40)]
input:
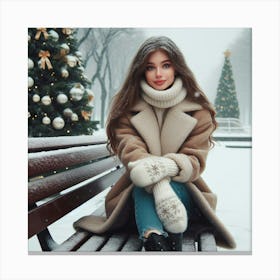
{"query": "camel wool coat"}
[(186, 130)]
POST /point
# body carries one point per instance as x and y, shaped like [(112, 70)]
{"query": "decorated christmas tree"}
[(60, 102), (226, 102)]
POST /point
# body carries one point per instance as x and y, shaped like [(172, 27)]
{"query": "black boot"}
[(156, 242), (175, 241)]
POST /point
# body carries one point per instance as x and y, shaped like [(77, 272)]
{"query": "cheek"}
[(148, 77), (172, 74)]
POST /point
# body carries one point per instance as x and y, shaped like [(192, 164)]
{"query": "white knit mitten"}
[(171, 211), (150, 170)]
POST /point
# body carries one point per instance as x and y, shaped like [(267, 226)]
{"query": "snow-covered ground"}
[(228, 174)]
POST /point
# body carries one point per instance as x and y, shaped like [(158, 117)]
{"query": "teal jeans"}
[(145, 212)]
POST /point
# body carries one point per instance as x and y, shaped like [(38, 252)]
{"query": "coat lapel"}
[(146, 124), (176, 127)]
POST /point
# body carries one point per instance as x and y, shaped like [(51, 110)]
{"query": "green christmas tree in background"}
[(226, 103), (60, 102)]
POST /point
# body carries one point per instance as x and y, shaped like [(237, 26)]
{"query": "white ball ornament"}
[(53, 35), (77, 92), (46, 120), (30, 82), (64, 73), (46, 100), (58, 123), (71, 60), (65, 47), (30, 63), (62, 98), (36, 98), (74, 117), (67, 112)]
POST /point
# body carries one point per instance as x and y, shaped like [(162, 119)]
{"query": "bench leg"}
[(46, 241)]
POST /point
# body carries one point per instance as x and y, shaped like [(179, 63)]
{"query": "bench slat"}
[(43, 162), (188, 244), (115, 242), (53, 210), (53, 184), (54, 143), (94, 243), (73, 242), (207, 242), (132, 244)]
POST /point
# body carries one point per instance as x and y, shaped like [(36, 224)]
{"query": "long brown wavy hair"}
[(129, 93)]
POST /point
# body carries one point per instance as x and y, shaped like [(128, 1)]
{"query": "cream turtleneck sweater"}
[(162, 100)]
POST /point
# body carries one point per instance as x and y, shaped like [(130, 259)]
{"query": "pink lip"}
[(159, 83)]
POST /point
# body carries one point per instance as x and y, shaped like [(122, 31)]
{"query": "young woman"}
[(160, 126)]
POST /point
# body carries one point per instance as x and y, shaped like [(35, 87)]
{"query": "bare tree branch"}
[(85, 36)]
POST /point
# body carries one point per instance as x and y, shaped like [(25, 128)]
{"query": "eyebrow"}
[(164, 61)]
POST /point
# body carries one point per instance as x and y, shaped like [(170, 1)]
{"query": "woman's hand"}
[(150, 170)]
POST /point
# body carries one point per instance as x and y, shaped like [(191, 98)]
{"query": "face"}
[(159, 73)]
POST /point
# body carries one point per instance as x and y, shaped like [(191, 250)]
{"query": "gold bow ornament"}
[(40, 31), (67, 31), (86, 115), (45, 59)]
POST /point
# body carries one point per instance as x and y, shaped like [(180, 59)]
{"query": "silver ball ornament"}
[(58, 123), (30, 63), (62, 98), (53, 35), (65, 47), (46, 100), (30, 82), (71, 60), (74, 117), (67, 112), (46, 120), (77, 92), (64, 73), (36, 98)]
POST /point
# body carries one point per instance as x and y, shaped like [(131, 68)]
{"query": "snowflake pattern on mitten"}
[(173, 214), (155, 170)]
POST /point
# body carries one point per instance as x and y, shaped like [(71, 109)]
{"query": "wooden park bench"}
[(64, 173)]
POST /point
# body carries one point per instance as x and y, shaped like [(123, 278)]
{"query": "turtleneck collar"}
[(164, 98)]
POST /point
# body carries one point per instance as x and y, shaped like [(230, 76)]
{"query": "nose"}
[(158, 72)]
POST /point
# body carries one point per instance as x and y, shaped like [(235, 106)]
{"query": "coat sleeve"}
[(197, 144), (130, 145), (192, 155)]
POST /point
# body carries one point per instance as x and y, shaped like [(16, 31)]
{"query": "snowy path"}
[(228, 174)]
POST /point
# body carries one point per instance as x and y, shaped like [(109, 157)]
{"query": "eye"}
[(149, 68), (166, 65)]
